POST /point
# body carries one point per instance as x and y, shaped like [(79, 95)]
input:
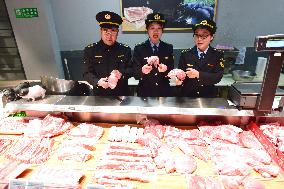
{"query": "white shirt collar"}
[(199, 52)]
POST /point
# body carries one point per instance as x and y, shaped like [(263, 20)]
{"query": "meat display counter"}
[(171, 110)]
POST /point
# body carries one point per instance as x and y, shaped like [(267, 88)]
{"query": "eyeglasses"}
[(110, 31), (196, 36)]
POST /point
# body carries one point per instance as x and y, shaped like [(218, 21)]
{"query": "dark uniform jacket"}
[(100, 59), (210, 72), (155, 83)]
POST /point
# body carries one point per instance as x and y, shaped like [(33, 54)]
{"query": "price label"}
[(17, 184), (91, 186), (34, 185)]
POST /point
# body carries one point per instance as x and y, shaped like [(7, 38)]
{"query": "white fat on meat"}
[(112, 134), (132, 135), (75, 153), (267, 171)]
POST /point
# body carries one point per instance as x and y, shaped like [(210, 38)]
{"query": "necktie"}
[(155, 52), (202, 55), (201, 58)]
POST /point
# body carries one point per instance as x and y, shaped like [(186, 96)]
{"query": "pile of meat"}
[(13, 125), (275, 133), (30, 150), (51, 125), (57, 177), (123, 162), (80, 143), (124, 134), (10, 170), (5, 144)]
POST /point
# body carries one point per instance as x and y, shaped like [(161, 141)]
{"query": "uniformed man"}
[(152, 78), (203, 64), (107, 62)]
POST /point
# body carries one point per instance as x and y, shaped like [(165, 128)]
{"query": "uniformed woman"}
[(152, 77), (203, 64), (107, 62)]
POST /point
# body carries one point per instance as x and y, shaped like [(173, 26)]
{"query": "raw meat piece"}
[(170, 164), (198, 182), (127, 158), (185, 164), (13, 125), (198, 151), (152, 142), (57, 177), (228, 133), (129, 152), (172, 132), (248, 140), (164, 153), (177, 73), (87, 130), (191, 134), (232, 182), (114, 184), (250, 183), (156, 130), (119, 165), (123, 175), (267, 171), (75, 153)]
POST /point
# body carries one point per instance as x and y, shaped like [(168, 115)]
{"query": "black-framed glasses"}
[(112, 31), (196, 36)]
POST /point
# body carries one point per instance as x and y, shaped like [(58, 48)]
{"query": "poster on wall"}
[(180, 14)]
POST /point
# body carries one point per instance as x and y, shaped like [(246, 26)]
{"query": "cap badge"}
[(157, 17), (107, 16), (204, 23)]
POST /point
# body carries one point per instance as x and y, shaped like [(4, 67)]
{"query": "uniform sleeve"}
[(211, 78), (88, 68), (137, 64)]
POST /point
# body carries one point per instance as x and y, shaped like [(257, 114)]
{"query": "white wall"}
[(36, 39)]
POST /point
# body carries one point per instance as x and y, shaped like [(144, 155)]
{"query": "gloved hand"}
[(146, 69), (162, 68), (103, 83)]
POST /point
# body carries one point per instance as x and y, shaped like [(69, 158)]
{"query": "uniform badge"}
[(119, 56), (107, 16), (189, 65), (222, 65), (157, 17), (98, 56)]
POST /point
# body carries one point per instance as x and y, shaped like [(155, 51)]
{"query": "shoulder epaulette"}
[(185, 50), (123, 45), (91, 45), (140, 43)]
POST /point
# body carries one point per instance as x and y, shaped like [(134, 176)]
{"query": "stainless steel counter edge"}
[(131, 105)]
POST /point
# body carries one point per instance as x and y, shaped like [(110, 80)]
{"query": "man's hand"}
[(103, 83), (146, 69), (192, 73)]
